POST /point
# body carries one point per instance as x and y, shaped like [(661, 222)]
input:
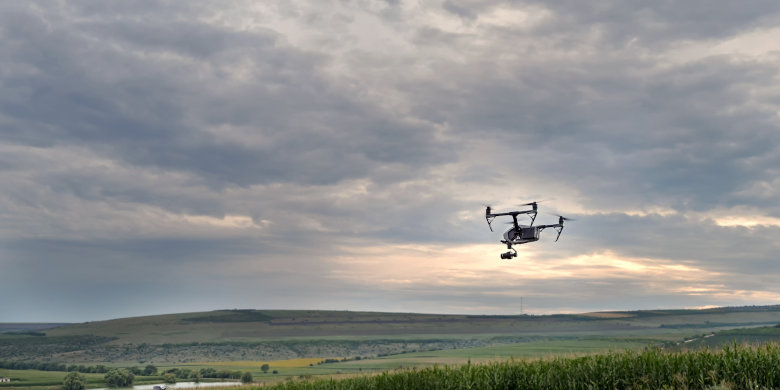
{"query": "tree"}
[(208, 372), (196, 376), (150, 369), (119, 377), (169, 378), (74, 381), (246, 377), (265, 368)]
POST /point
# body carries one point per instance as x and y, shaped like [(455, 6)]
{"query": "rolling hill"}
[(230, 335)]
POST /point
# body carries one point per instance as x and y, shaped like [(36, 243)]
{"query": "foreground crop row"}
[(734, 366)]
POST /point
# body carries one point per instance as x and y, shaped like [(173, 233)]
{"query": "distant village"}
[(4, 379)]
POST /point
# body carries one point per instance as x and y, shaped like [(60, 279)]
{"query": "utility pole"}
[(521, 305)]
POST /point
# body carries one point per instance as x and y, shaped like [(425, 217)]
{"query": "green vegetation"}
[(752, 336), (74, 381), (232, 316), (734, 366), (274, 345), (43, 380), (268, 335), (169, 377), (41, 366), (150, 369), (23, 346), (119, 377), (246, 377)]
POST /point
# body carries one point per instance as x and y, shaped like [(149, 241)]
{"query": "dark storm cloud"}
[(151, 92)]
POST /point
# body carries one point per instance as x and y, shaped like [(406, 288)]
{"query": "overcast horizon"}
[(167, 157)]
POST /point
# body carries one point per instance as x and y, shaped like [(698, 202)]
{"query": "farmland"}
[(735, 366), (269, 335), (315, 344)]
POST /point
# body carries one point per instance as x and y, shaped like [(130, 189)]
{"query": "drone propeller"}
[(536, 201), (532, 204)]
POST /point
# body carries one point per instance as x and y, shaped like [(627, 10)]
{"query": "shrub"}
[(150, 369), (119, 377), (74, 381)]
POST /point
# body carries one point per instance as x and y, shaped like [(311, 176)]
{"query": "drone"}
[(522, 234)]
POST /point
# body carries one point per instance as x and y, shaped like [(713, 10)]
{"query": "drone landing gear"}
[(508, 255)]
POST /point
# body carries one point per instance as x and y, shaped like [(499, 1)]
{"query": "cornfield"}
[(735, 366)]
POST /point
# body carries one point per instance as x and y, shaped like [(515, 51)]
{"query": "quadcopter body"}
[(522, 234)]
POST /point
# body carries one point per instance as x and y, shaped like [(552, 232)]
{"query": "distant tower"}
[(521, 305)]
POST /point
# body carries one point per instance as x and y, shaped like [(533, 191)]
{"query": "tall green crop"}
[(740, 366)]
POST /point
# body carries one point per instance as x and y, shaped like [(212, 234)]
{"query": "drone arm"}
[(558, 228), (489, 218)]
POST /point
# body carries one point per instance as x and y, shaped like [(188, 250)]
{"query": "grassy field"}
[(254, 325), (294, 342), (733, 367), (40, 380), (309, 367), (269, 335)]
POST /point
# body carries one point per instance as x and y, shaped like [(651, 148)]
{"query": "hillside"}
[(227, 335), (10, 327)]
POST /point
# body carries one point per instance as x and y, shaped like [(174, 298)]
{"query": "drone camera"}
[(508, 255)]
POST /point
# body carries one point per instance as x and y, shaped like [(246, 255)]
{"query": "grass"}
[(38, 380), (265, 325), (445, 362), (735, 366), (540, 348), (237, 365), (292, 342)]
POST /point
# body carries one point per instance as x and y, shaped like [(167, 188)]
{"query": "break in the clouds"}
[(166, 157)]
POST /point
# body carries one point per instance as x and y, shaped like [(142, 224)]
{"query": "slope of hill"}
[(11, 327), (228, 335)]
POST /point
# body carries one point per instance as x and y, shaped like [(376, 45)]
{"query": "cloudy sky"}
[(174, 156)]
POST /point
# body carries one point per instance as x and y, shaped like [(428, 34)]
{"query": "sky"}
[(176, 156)]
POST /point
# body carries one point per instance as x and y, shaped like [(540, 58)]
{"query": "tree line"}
[(122, 377), (41, 366)]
